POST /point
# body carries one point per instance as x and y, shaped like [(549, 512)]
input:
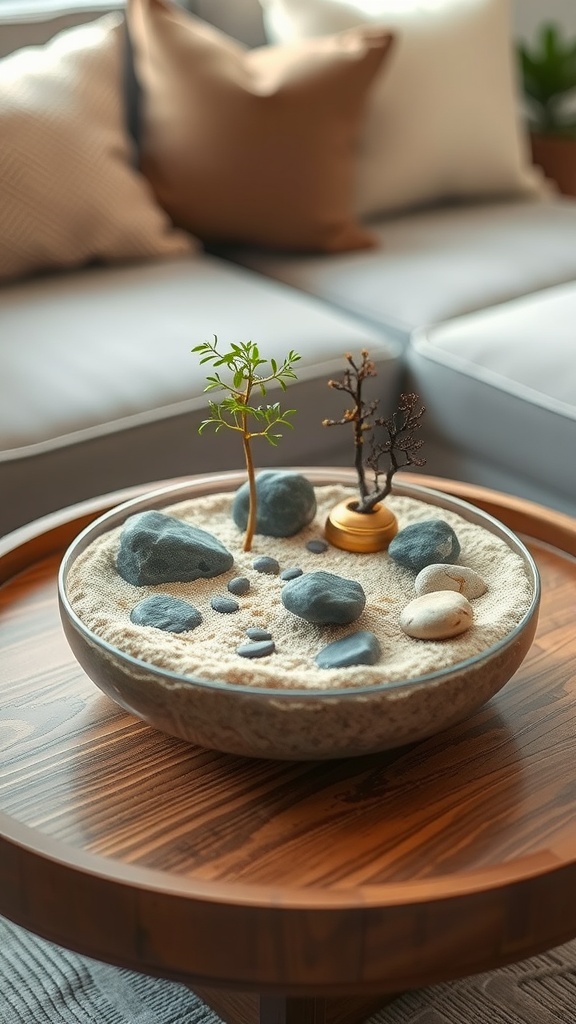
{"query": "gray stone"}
[(165, 612), (157, 548), (323, 598), (317, 547), (360, 648), (259, 649), (224, 605), (421, 544), (437, 616), (286, 503), (239, 585), (291, 573), (460, 578), (255, 633), (266, 564)]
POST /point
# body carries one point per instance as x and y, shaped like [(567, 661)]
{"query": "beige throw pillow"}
[(68, 191), (444, 122), (255, 146)]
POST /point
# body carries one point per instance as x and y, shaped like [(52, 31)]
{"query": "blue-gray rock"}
[(224, 605), (324, 599), (266, 564), (421, 544), (360, 648), (239, 585), (157, 548), (291, 573), (259, 649), (255, 633), (317, 547), (286, 503), (165, 612)]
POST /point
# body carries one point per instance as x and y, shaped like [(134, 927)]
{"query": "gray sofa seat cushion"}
[(99, 388), (500, 388), (439, 263)]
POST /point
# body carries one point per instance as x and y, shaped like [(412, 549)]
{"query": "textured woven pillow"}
[(253, 146), (68, 192), (444, 122)]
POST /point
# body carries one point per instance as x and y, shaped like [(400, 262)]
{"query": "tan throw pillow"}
[(256, 147), (68, 191)]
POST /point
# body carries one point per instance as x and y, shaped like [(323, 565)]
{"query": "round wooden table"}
[(286, 891)]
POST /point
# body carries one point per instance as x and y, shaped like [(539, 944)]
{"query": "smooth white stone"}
[(437, 616), (450, 577)]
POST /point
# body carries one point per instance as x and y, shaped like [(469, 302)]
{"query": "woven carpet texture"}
[(40, 983)]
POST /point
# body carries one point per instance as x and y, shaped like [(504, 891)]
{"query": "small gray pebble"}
[(317, 547), (291, 574), (360, 648), (259, 649), (225, 605), (164, 612), (239, 585), (266, 564), (255, 633)]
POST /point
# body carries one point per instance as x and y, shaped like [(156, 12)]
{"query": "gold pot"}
[(360, 531)]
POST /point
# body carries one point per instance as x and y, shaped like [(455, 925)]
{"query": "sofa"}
[(402, 216)]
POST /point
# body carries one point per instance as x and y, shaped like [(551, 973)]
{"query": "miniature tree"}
[(243, 362), (400, 445)]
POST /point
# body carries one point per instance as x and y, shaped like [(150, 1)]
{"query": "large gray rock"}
[(286, 503), (157, 548), (421, 544), (323, 598)]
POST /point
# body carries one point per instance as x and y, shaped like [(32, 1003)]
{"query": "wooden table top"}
[(380, 873)]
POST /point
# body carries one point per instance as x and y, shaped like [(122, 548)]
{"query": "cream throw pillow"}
[(68, 192), (254, 147), (444, 122)]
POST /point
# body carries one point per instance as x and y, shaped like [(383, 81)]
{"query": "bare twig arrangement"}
[(400, 445)]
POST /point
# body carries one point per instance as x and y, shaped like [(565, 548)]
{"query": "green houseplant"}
[(548, 76), (242, 364)]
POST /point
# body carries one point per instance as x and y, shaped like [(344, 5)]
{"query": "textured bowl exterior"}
[(289, 724)]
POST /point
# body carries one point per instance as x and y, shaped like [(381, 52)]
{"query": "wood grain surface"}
[(322, 878)]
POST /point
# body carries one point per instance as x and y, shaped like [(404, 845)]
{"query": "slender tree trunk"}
[(252, 506), (251, 524)]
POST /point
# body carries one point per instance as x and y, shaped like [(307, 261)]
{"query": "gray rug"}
[(43, 984)]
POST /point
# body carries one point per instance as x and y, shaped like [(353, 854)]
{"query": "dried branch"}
[(400, 445)]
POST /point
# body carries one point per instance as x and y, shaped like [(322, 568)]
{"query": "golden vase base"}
[(362, 532)]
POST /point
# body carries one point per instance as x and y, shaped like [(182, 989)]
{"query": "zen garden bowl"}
[(297, 724)]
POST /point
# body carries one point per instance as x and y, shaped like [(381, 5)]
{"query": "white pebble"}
[(437, 616), (450, 577)]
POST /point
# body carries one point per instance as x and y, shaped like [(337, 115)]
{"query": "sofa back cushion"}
[(253, 146), (69, 193)]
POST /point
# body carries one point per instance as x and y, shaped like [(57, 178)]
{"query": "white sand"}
[(103, 600)]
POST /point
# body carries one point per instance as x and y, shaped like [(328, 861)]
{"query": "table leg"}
[(253, 1008)]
